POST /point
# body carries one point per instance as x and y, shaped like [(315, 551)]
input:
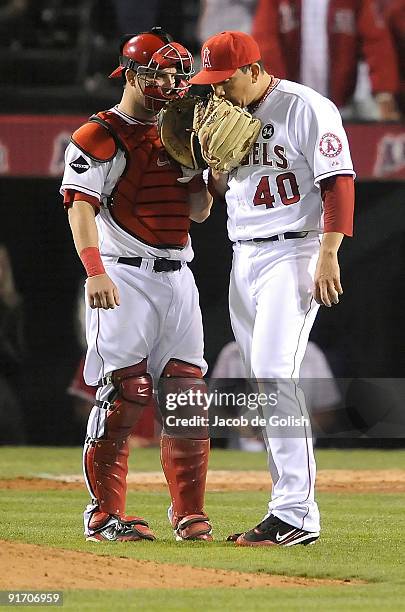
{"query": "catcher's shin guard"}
[(105, 458), (185, 462)]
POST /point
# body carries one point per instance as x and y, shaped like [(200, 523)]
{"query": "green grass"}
[(34, 461), (348, 547), (362, 537), (364, 598)]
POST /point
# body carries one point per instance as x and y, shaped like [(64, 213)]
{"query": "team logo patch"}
[(268, 131), (80, 165), (330, 145), (206, 62)]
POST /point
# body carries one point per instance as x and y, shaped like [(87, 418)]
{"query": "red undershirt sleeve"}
[(71, 196), (338, 201)]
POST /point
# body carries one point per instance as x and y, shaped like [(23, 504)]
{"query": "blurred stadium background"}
[(54, 60)]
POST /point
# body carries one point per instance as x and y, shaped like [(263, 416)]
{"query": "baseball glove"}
[(176, 123), (226, 132)]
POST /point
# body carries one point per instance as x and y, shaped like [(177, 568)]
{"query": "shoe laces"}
[(115, 527)]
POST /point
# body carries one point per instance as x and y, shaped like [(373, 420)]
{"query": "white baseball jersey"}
[(98, 179), (159, 316), (302, 141)]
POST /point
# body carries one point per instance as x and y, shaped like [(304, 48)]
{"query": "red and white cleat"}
[(118, 529), (193, 527)]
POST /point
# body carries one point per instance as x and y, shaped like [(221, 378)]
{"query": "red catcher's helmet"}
[(148, 54)]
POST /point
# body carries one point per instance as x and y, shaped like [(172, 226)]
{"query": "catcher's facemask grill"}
[(171, 55)]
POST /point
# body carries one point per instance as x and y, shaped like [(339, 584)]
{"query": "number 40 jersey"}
[(277, 187)]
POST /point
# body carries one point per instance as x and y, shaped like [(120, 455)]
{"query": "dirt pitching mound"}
[(342, 481), (28, 566)]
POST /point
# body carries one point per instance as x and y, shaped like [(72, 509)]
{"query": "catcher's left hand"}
[(176, 122)]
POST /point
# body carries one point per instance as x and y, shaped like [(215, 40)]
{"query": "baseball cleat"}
[(115, 529), (272, 531), (193, 527)]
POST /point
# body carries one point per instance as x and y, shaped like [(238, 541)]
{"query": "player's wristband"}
[(91, 260)]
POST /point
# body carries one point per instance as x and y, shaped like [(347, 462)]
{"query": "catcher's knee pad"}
[(126, 391), (132, 391), (182, 400)]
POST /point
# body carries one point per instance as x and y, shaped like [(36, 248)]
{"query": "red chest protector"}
[(147, 201)]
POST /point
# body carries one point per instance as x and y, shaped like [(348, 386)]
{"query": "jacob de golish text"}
[(240, 421)]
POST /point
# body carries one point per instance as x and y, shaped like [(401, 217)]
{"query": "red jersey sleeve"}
[(338, 201)]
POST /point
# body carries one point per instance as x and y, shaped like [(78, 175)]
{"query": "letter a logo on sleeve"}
[(330, 145), (206, 63)]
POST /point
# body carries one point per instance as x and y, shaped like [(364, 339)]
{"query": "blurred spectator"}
[(11, 354), (229, 365), (83, 395), (146, 432), (317, 382), (321, 392), (218, 15), (321, 43), (395, 16)]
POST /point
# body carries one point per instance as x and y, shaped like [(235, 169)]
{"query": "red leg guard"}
[(181, 369), (184, 454), (184, 379), (185, 464), (106, 456), (108, 460)]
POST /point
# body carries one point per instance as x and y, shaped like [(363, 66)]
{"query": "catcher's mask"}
[(148, 54)]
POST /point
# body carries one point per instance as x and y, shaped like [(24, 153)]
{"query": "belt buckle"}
[(161, 264)]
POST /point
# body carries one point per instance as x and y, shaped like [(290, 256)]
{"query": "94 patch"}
[(330, 145), (80, 165)]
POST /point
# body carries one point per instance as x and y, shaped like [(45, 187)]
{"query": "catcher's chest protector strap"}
[(147, 201)]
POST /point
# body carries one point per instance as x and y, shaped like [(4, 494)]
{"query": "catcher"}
[(129, 210)]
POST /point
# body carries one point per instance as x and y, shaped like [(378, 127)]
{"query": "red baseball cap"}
[(223, 54)]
